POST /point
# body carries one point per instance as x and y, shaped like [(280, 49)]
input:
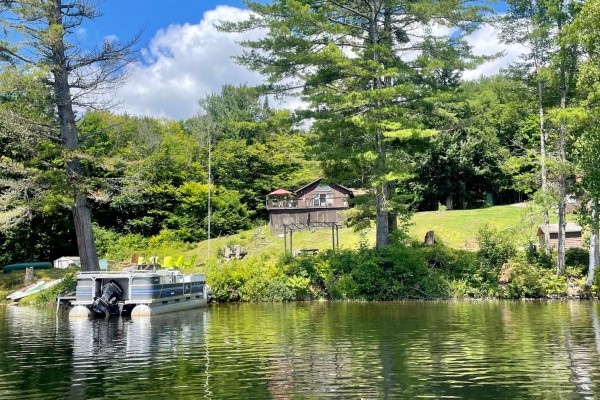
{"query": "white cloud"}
[(184, 63), (485, 42), (81, 33)]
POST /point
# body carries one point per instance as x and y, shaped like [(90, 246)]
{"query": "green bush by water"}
[(398, 271)]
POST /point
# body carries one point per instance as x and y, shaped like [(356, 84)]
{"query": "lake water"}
[(405, 350)]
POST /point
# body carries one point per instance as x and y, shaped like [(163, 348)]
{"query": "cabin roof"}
[(553, 228), (345, 189)]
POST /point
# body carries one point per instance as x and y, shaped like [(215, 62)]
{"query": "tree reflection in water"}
[(489, 349)]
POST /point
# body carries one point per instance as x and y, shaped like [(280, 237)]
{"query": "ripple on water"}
[(494, 350)]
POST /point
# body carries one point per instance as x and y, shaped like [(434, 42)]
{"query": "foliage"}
[(254, 148), (254, 280), (368, 80), (528, 280), (467, 158), (389, 273), (538, 257), (41, 36), (577, 258), (48, 296), (495, 249)]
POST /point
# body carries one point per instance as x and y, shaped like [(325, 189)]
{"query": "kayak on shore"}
[(36, 289), (24, 289), (23, 266)]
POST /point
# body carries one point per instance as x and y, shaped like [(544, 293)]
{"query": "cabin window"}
[(322, 199), (329, 199), (323, 188)]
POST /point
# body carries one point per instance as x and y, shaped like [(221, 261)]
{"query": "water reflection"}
[(122, 356), (495, 350)]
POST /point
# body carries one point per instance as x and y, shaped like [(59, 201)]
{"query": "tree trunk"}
[(429, 238), (84, 233), (382, 231), (562, 152), (562, 223), (594, 259), (449, 202), (29, 275), (543, 165), (392, 215), (70, 142)]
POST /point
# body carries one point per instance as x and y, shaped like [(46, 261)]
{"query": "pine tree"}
[(371, 72)]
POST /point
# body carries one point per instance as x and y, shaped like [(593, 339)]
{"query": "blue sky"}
[(184, 58), (125, 18)]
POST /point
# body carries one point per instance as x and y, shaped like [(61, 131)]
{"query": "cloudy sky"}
[(184, 57)]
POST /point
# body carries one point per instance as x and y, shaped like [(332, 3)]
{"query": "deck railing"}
[(308, 203)]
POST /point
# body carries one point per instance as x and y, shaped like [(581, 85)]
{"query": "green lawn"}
[(458, 229)]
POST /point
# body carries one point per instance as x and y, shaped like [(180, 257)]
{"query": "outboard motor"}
[(111, 294)]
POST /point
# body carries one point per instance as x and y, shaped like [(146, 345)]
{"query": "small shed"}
[(572, 236), (65, 261)]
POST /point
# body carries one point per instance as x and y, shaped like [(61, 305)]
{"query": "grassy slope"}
[(457, 229)]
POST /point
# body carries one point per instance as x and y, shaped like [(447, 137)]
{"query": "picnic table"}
[(311, 252)]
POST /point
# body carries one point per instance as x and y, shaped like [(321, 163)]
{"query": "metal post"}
[(284, 239), (291, 245), (209, 199), (332, 237), (337, 234)]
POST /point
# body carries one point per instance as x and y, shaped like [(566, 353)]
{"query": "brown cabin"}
[(315, 202), (572, 236)]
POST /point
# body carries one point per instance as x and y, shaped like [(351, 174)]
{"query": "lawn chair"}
[(168, 262), (179, 262), (190, 262)]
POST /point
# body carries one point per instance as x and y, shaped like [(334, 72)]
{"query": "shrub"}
[(539, 257), (528, 280), (459, 289), (577, 258), (105, 239), (299, 286), (278, 290), (495, 249), (457, 264)]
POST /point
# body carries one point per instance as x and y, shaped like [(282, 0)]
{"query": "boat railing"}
[(133, 271)]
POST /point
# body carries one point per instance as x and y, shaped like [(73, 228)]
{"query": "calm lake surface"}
[(472, 350)]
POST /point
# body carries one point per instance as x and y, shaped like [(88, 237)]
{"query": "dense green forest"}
[(386, 110)]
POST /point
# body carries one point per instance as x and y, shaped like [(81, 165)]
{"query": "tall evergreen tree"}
[(37, 34), (370, 71)]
